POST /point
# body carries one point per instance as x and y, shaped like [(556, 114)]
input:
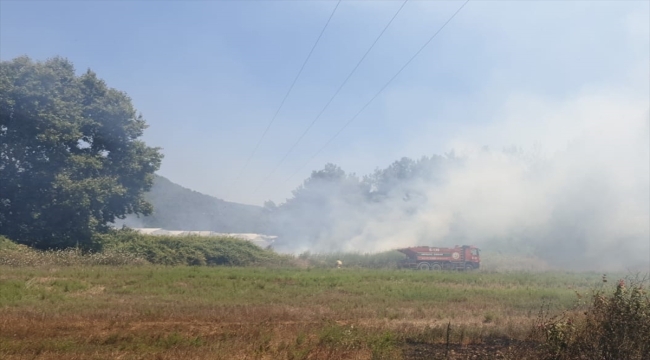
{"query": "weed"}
[(488, 318), (613, 326)]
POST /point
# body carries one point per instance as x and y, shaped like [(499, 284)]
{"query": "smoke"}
[(555, 160), (578, 196)]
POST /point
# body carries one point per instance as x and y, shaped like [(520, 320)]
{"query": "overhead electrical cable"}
[(378, 92), (275, 115), (333, 96)]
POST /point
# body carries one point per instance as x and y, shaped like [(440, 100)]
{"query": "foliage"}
[(614, 326), (16, 255), (317, 214), (123, 247), (191, 250), (70, 156)]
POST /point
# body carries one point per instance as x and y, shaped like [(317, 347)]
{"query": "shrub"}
[(128, 247), (191, 250), (613, 327), (12, 254)]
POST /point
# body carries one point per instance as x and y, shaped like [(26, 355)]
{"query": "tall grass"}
[(614, 326), (382, 260)]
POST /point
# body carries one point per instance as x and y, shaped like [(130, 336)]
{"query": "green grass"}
[(382, 260), (152, 297), (266, 312), (206, 285)]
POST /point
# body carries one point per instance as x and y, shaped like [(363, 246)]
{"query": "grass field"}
[(157, 312)]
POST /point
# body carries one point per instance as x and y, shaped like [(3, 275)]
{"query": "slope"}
[(179, 208)]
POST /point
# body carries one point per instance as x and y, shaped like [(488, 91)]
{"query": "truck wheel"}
[(469, 267), (423, 266), (436, 267)]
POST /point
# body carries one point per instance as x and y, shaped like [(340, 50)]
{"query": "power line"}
[(287, 94), (333, 96), (378, 93)]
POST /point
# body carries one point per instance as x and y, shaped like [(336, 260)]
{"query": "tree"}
[(71, 160), (321, 213)]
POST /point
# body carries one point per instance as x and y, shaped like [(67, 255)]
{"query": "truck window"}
[(475, 252)]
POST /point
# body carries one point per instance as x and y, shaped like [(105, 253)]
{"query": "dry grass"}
[(615, 325), (143, 312)]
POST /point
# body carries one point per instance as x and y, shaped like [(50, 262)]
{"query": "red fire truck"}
[(464, 257)]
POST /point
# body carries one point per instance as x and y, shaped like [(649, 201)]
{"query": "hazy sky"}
[(209, 75)]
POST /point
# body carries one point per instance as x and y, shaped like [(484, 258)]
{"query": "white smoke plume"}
[(579, 197), (565, 176)]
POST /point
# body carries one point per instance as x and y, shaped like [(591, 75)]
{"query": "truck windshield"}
[(475, 252)]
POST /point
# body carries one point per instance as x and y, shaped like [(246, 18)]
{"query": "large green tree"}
[(71, 157)]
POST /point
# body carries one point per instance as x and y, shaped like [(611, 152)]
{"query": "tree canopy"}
[(71, 157)]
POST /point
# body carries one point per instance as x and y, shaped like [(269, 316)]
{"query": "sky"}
[(208, 77)]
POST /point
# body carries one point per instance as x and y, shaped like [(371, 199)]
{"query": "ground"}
[(153, 312)]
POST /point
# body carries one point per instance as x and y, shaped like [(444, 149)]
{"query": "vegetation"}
[(127, 247), (72, 163), (67, 304), (491, 261), (615, 326), (192, 250), (383, 260), (12, 254), (270, 313), (71, 158)]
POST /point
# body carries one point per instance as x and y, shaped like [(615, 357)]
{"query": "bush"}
[(614, 327), (12, 254), (191, 250), (128, 247)]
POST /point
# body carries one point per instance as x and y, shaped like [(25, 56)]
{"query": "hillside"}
[(179, 208)]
